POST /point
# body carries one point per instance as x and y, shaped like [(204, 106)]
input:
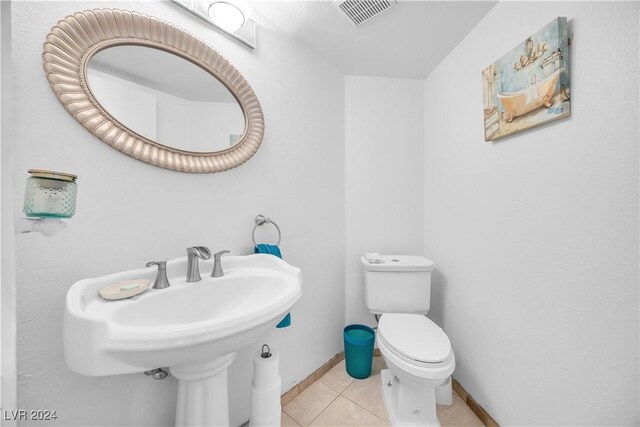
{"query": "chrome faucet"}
[(217, 264), (193, 254), (161, 278)]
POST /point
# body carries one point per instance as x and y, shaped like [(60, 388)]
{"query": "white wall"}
[(212, 124), (165, 118), (173, 118), (7, 247), (535, 238), (131, 104), (383, 177), (129, 213)]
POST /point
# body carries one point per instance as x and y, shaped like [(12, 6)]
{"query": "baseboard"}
[(474, 406), (301, 386)]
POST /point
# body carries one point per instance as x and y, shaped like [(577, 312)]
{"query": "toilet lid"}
[(415, 337)]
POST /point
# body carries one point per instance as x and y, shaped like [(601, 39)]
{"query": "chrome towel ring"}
[(261, 220)]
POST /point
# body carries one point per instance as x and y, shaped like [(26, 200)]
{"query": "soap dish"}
[(125, 289)]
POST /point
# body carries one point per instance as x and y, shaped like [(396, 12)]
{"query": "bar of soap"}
[(125, 289)]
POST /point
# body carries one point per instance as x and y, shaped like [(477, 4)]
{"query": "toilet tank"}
[(397, 283)]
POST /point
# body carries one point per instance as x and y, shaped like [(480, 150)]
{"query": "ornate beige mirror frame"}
[(76, 39)]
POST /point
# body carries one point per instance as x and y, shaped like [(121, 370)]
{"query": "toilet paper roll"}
[(265, 391), (265, 407), (266, 371)]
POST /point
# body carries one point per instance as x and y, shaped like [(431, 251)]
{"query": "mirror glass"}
[(165, 98)]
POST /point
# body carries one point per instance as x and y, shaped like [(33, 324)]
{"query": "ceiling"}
[(407, 40)]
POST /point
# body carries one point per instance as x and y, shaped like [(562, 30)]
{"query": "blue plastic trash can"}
[(358, 350)]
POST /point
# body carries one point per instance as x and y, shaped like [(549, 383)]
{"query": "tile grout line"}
[(289, 415), (338, 358), (478, 410), (294, 391), (322, 412), (337, 391), (340, 394), (375, 415), (297, 389)]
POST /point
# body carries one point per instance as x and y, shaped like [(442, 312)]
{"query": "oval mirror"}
[(153, 91), (165, 98)]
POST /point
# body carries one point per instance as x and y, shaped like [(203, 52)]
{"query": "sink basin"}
[(192, 328), (212, 298)]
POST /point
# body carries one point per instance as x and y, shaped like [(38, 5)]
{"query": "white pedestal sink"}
[(194, 329)]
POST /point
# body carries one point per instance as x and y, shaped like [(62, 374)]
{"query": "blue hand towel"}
[(274, 250)]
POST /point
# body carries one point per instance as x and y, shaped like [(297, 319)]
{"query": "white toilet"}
[(417, 351)]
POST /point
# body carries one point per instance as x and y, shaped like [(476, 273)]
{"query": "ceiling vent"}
[(360, 11)]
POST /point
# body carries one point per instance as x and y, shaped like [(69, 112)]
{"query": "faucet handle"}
[(217, 264), (201, 252), (161, 281)]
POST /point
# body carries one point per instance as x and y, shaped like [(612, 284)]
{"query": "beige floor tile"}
[(343, 412), (287, 421), (368, 394), (458, 414), (361, 402), (337, 378), (310, 403), (378, 365)]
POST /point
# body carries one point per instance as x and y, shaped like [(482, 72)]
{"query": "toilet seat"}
[(418, 370), (414, 338)]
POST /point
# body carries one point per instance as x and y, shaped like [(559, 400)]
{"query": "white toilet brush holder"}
[(444, 393)]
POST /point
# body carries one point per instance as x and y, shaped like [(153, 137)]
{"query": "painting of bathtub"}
[(529, 86)]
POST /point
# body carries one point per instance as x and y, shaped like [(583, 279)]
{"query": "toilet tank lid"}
[(378, 262)]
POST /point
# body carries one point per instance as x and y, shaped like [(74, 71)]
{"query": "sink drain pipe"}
[(157, 374)]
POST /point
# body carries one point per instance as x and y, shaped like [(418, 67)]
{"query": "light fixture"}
[(227, 15), (230, 17)]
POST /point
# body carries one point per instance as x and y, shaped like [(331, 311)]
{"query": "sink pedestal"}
[(203, 394)]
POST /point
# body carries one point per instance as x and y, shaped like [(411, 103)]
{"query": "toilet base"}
[(424, 413)]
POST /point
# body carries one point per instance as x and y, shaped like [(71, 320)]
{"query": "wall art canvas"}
[(529, 86)]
